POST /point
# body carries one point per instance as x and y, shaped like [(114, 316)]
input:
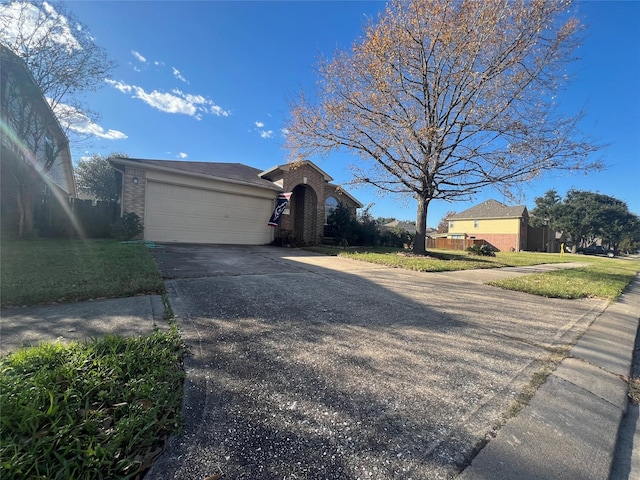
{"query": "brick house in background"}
[(504, 227), (227, 203), (35, 159)]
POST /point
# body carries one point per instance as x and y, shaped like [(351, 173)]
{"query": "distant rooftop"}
[(490, 209)]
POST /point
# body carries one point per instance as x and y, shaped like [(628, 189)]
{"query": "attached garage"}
[(198, 202), (175, 213), (227, 203)]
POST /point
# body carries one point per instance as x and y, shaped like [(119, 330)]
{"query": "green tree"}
[(441, 99), (343, 225), (547, 209), (95, 176), (587, 216)]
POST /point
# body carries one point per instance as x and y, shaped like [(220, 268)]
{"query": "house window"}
[(475, 224), (329, 206), (450, 224)]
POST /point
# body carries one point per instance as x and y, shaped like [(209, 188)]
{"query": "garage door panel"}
[(182, 214)]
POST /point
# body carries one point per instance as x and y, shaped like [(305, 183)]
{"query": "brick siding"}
[(502, 241), (134, 193)]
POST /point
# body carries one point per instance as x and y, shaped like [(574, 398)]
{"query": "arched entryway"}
[(304, 212)]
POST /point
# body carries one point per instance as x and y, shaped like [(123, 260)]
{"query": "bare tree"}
[(444, 98), (443, 225), (53, 59), (60, 53)]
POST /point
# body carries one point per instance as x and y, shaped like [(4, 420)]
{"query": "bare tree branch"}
[(446, 98)]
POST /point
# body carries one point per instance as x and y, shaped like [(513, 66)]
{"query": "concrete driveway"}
[(306, 366)]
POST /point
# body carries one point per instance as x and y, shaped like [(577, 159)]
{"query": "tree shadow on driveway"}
[(320, 367)]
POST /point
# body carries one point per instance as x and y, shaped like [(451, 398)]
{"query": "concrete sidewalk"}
[(132, 316), (570, 428)]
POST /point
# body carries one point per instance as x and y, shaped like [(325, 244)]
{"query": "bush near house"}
[(482, 250), (349, 230)]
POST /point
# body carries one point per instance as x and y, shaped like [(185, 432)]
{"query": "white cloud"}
[(175, 101), (22, 19), (260, 129), (182, 155), (284, 132), (178, 75), (81, 123), (124, 88), (138, 56)]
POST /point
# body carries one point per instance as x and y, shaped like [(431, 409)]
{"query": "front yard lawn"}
[(99, 409), (36, 272), (603, 278), (440, 260)]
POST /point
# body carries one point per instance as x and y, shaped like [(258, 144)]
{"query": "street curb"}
[(570, 428)]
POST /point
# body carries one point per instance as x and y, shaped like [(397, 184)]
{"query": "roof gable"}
[(491, 209), (278, 171)]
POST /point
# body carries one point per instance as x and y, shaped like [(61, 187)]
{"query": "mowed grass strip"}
[(99, 410), (48, 271), (441, 260), (604, 278)]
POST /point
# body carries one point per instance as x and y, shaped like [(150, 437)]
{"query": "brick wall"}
[(310, 188), (134, 193), (313, 183), (502, 241)]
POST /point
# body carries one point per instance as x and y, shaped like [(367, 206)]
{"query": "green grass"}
[(440, 260), (96, 410), (49, 271), (603, 278)]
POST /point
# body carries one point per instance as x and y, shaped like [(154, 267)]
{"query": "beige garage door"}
[(175, 213)]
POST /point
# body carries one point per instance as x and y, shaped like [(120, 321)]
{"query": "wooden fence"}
[(454, 243), (76, 219)]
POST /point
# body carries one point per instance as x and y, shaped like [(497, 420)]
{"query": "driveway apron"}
[(307, 366)]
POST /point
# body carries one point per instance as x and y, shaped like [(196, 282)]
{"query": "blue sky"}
[(210, 81)]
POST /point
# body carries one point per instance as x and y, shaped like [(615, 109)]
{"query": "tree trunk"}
[(419, 242)]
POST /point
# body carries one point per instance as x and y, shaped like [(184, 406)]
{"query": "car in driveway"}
[(598, 250)]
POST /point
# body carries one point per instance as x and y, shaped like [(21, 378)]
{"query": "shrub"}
[(396, 238), (483, 250), (126, 227), (287, 238)]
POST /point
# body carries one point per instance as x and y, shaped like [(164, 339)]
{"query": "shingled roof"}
[(490, 209), (234, 172)]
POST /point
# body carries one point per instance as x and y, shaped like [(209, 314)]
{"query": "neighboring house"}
[(226, 203), (504, 227), (400, 225), (35, 160)]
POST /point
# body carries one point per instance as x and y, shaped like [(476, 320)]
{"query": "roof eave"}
[(151, 166)]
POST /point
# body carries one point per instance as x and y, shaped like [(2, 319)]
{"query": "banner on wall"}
[(281, 204)]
